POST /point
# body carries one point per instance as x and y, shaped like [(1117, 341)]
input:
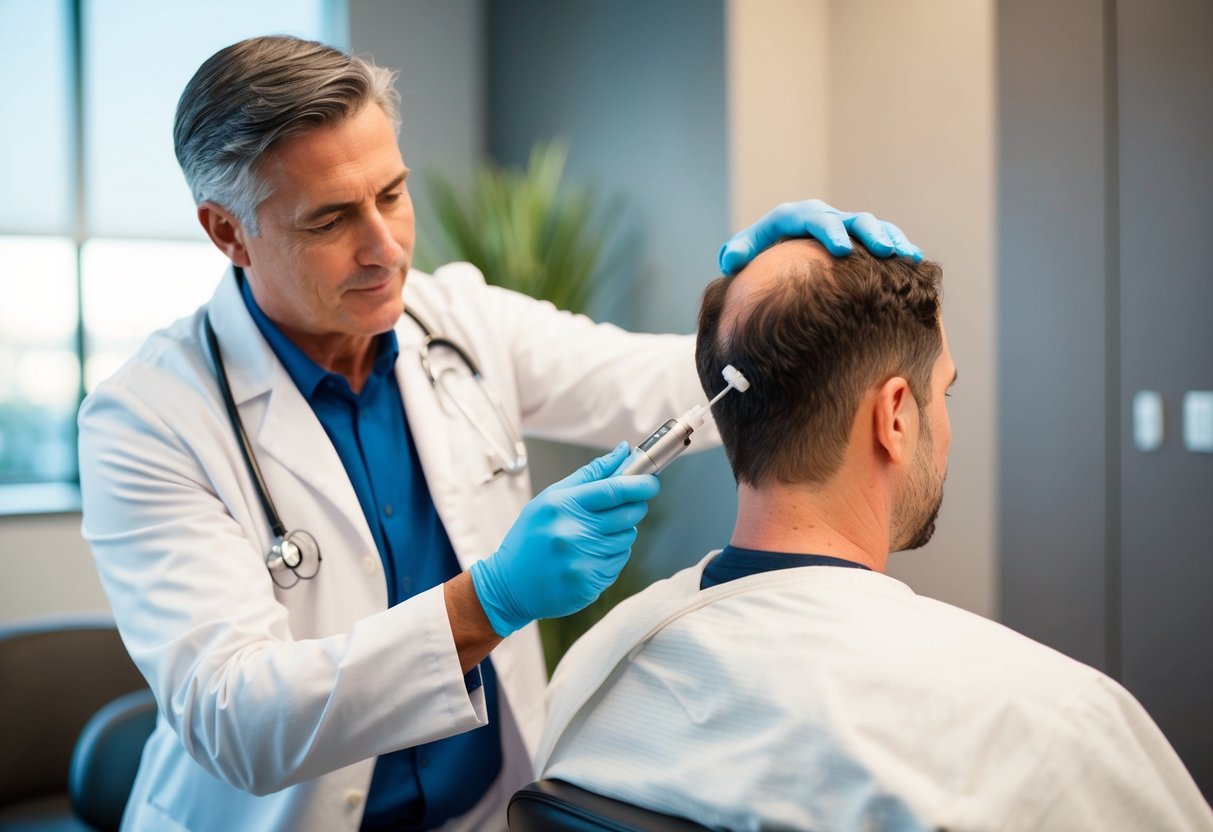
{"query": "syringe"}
[(667, 443)]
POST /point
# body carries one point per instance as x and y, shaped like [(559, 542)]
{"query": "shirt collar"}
[(305, 372)]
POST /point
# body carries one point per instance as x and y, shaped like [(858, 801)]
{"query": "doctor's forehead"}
[(788, 260)]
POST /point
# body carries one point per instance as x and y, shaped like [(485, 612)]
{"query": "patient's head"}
[(814, 335)]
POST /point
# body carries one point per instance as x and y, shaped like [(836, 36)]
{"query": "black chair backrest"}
[(107, 757), (55, 673), (556, 806)]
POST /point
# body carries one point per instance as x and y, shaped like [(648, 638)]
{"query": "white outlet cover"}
[(1147, 420), (1198, 421)]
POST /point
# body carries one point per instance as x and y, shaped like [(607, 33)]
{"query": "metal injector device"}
[(667, 443)]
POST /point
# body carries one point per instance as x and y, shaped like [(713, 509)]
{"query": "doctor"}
[(312, 519)]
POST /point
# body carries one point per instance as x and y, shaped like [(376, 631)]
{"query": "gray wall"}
[(638, 90), (937, 181), (1107, 159), (48, 568), (439, 51)]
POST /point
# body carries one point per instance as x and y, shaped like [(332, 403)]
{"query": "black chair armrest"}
[(556, 806)]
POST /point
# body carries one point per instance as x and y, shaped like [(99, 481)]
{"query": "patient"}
[(787, 681)]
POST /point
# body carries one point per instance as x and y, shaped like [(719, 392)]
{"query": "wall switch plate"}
[(1147, 420), (1198, 421)]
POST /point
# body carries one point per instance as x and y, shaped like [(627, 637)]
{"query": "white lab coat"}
[(274, 703), (831, 698)]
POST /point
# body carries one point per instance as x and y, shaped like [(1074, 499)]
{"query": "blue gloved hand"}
[(568, 545), (813, 218)]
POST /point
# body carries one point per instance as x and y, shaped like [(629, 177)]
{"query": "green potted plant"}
[(525, 229)]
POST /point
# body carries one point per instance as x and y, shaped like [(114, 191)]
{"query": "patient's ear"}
[(895, 420)]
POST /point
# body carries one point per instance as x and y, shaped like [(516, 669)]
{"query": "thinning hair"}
[(811, 343), (251, 95)]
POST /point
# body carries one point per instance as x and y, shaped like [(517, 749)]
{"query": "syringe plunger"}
[(668, 442)]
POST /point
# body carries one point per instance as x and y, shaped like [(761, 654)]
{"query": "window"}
[(99, 244)]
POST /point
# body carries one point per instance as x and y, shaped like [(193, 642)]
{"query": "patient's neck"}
[(813, 521)]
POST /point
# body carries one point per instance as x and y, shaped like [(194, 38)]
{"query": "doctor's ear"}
[(225, 232)]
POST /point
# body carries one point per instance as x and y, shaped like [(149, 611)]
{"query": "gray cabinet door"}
[(1105, 289), (1164, 60)]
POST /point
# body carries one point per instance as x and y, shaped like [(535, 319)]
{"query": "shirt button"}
[(423, 760), (368, 565), (353, 798), (406, 584), (388, 510)]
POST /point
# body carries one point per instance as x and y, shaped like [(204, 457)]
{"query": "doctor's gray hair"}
[(252, 94)]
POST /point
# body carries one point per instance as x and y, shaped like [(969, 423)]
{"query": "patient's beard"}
[(914, 518)]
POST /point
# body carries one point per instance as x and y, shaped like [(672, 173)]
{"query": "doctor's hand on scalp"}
[(829, 226), (568, 545)]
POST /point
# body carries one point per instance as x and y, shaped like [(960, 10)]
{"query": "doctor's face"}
[(336, 235)]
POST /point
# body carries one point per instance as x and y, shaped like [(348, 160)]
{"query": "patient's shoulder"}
[(634, 618)]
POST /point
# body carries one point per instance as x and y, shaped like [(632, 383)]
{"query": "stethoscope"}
[(292, 551), (289, 549), (512, 461)]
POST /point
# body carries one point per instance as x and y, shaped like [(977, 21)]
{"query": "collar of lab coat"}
[(249, 361)]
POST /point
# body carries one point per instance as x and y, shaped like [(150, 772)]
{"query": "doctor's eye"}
[(328, 227)]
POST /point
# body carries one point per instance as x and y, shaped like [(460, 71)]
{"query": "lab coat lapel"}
[(280, 423), (429, 429), (247, 357), (455, 490)]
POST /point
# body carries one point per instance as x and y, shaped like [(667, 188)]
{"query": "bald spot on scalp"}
[(770, 271)]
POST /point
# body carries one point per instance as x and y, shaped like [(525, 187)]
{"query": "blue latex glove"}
[(568, 545), (829, 226)]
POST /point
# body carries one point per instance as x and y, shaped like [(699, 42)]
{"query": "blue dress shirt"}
[(734, 562), (424, 786)]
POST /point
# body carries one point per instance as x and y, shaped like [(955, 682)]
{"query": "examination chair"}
[(556, 806), (55, 674)]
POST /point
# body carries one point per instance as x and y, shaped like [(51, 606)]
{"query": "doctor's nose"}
[(378, 245)]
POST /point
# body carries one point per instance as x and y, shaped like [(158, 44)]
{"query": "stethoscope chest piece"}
[(294, 554), (284, 554)]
